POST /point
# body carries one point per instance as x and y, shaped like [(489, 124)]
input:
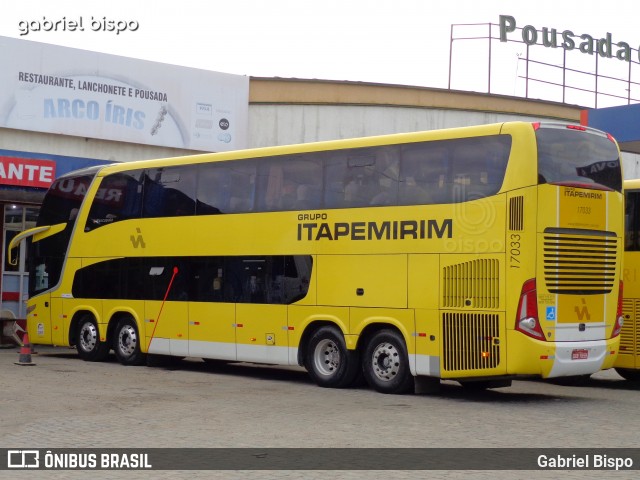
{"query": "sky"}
[(403, 42)]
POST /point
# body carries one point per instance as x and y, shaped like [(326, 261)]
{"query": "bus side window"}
[(297, 276), (119, 197), (361, 178), (242, 184), (169, 192), (335, 173), (255, 279), (361, 183), (425, 175), (632, 221), (479, 165), (464, 172), (290, 183), (209, 279), (273, 188), (387, 170), (308, 197)]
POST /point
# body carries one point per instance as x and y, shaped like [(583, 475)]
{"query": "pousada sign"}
[(551, 38)]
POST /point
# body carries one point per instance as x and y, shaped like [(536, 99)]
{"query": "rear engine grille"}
[(629, 335), (471, 341), (579, 264), (471, 284)]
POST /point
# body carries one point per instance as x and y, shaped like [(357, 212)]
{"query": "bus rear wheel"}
[(88, 343), (329, 362), (386, 363), (126, 343)]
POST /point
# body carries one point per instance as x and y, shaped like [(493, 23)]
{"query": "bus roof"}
[(370, 141)]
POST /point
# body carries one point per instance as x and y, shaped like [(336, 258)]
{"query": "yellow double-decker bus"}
[(478, 254), (628, 362)]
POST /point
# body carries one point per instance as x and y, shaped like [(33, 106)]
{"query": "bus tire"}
[(126, 343), (386, 363), (628, 374), (88, 343), (329, 362)]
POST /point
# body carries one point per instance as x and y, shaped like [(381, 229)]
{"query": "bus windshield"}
[(60, 205), (578, 158)]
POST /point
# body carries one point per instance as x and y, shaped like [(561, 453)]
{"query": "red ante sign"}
[(27, 172)]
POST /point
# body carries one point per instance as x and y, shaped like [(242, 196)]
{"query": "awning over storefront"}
[(26, 176)]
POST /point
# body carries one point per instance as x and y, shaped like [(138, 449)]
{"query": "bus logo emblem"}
[(137, 241), (582, 312)]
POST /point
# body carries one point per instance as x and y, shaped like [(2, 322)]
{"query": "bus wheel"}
[(88, 343), (386, 363), (126, 343), (628, 374), (329, 362)]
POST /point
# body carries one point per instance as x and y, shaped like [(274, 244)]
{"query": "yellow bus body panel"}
[(212, 330), (364, 280), (262, 333)]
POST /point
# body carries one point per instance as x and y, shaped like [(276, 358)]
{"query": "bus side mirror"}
[(11, 259), (43, 231)]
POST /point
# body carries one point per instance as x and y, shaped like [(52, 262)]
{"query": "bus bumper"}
[(559, 359)]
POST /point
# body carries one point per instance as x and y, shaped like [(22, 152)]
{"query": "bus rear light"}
[(527, 318), (617, 327), (619, 315)]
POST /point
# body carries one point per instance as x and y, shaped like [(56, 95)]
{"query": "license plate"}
[(579, 354)]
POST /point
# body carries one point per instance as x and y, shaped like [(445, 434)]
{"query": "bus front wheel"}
[(329, 362), (386, 363), (126, 343), (88, 343)]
